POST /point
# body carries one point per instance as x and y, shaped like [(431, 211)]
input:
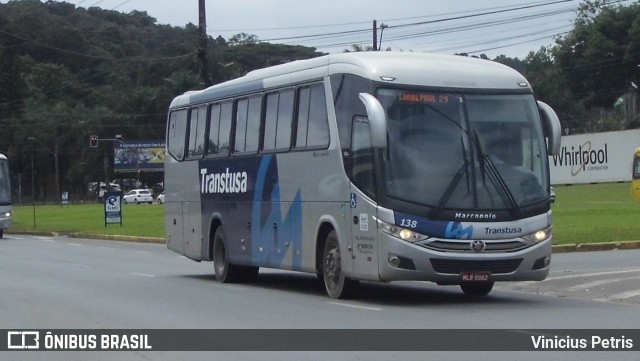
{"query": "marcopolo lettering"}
[(223, 182), (461, 215)]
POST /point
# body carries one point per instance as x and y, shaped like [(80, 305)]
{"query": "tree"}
[(242, 39), (68, 72), (600, 55)]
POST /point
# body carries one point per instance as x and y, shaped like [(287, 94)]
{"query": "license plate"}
[(476, 276)]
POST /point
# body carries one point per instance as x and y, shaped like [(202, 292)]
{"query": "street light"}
[(55, 159), (382, 27)]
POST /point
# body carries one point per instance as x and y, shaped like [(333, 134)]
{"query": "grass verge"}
[(590, 213), (138, 220)]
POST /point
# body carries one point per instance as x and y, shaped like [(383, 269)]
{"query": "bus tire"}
[(225, 271), (476, 289), (335, 282)]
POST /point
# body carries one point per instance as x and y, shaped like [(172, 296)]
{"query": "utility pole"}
[(375, 35), (202, 48)]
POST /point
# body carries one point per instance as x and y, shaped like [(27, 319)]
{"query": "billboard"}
[(138, 156), (595, 158)]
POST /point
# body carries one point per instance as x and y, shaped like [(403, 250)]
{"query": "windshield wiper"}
[(463, 170), (489, 170)]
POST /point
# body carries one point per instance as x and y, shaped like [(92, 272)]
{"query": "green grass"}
[(582, 214), (595, 213), (140, 220)]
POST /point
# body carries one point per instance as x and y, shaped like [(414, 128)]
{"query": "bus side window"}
[(214, 130), (176, 133), (362, 173), (226, 116), (278, 118), (312, 126), (247, 133), (220, 128), (197, 128)]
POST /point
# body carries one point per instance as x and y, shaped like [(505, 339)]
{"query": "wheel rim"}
[(220, 259), (332, 267)]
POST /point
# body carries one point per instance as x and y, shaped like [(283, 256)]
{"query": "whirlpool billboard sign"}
[(595, 158)]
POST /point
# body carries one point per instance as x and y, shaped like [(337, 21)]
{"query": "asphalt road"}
[(57, 282)]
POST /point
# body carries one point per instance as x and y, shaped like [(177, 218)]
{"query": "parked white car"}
[(161, 198), (138, 196)]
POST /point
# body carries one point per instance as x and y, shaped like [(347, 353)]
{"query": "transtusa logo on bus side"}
[(224, 182)]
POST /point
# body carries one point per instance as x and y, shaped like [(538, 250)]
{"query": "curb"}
[(109, 237), (112, 237), (592, 247)]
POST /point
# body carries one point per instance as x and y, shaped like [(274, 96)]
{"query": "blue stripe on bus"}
[(272, 238)]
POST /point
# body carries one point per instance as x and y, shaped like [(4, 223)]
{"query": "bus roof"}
[(423, 69)]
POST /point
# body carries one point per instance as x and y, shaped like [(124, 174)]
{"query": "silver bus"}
[(365, 167), (5, 195)]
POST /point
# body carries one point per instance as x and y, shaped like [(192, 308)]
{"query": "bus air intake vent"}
[(448, 266)]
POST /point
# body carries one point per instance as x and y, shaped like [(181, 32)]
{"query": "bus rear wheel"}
[(335, 282), (476, 289), (225, 271)]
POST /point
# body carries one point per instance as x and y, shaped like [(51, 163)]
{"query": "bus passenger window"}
[(313, 127), (214, 130), (176, 133), (196, 131), (220, 128), (248, 124), (278, 117), (226, 116)]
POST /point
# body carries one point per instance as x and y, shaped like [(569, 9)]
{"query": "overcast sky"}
[(493, 27)]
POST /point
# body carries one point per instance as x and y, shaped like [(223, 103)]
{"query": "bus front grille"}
[(465, 246), (448, 266)]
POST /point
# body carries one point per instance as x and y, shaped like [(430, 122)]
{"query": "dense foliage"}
[(68, 72)]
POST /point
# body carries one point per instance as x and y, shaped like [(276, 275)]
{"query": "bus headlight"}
[(539, 236), (399, 232)]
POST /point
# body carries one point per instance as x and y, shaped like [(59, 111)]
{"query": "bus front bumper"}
[(400, 260)]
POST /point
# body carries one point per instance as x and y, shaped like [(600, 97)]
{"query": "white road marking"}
[(234, 288), (355, 306), (79, 265), (577, 275), (143, 275), (619, 296), (586, 286)]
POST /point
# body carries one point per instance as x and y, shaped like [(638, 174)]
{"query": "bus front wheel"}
[(335, 282), (227, 272)]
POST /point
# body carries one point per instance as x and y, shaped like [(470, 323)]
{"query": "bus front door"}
[(363, 208)]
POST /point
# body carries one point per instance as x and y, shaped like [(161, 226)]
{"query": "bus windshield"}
[(464, 151)]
